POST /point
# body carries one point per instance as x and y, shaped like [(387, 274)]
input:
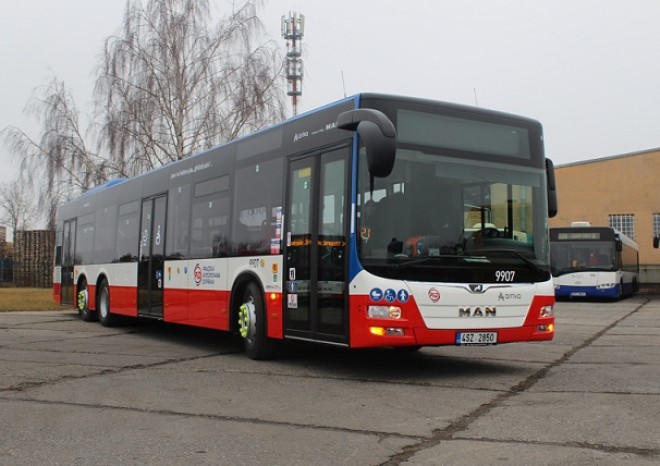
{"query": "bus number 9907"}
[(505, 275)]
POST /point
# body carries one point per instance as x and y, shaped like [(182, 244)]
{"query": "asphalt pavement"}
[(77, 393)]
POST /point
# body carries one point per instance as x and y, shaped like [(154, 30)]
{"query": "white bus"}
[(593, 262), (342, 226)]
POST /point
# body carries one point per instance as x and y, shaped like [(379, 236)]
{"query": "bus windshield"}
[(582, 255), (442, 218)]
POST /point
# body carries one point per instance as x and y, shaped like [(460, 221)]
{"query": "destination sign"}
[(589, 236)]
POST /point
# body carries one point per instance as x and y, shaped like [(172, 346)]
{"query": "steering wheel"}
[(490, 232)]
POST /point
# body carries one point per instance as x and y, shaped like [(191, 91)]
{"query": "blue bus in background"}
[(593, 262)]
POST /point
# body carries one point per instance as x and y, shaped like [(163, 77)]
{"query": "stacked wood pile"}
[(33, 258)]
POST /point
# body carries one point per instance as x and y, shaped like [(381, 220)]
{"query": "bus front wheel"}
[(84, 311), (252, 324)]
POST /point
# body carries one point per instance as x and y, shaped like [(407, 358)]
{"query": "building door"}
[(315, 248), (151, 257), (68, 261)]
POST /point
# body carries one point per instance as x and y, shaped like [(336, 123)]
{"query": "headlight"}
[(605, 286), (546, 311), (384, 312)]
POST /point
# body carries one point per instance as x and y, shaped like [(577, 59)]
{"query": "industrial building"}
[(621, 191)]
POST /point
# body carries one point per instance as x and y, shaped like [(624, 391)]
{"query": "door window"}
[(316, 247)]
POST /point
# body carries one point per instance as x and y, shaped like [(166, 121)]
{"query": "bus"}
[(360, 224), (593, 262)]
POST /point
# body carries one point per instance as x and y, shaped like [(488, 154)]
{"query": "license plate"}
[(579, 293), (476, 338)]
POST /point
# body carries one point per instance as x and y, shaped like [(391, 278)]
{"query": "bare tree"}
[(60, 159), (171, 84), (16, 205), (168, 85)]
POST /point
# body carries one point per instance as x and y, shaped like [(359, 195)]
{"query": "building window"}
[(625, 223), (656, 225)]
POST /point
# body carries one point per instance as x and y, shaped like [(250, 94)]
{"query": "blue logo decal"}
[(403, 296), (376, 294), (390, 295)]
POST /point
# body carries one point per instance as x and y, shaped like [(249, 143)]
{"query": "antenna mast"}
[(293, 29)]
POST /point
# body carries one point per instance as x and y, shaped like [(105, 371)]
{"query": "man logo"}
[(476, 288), (486, 311)]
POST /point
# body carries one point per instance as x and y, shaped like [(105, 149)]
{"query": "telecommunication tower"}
[(293, 29)]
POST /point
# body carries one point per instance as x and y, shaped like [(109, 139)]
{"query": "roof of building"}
[(611, 157)]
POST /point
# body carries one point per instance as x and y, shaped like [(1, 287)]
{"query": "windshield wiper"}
[(404, 264), (566, 270), (533, 265)]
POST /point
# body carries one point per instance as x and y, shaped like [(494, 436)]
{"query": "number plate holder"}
[(476, 338)]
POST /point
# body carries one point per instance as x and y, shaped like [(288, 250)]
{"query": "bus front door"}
[(151, 257), (68, 261), (315, 248)]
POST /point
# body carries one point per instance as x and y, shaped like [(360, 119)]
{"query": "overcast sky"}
[(588, 70)]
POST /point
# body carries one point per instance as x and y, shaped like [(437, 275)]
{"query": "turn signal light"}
[(546, 328), (389, 331)]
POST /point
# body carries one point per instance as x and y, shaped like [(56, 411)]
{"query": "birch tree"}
[(16, 207), (170, 83)]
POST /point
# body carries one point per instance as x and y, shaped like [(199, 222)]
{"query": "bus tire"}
[(82, 303), (252, 324), (106, 318)]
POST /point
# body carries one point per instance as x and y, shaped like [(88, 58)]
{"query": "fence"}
[(6, 271)]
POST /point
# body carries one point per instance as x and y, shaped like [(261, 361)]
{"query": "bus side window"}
[(209, 226), (128, 233), (178, 221), (255, 210)]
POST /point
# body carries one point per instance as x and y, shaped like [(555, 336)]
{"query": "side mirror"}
[(618, 245), (553, 208), (656, 242), (378, 134)]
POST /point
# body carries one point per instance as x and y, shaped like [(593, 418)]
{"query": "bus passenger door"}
[(315, 248), (152, 257), (68, 261)]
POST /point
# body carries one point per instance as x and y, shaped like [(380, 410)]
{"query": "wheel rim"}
[(82, 300), (246, 320)]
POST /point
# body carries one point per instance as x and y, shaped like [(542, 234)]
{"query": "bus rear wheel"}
[(106, 318), (252, 324)]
